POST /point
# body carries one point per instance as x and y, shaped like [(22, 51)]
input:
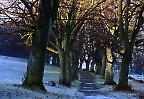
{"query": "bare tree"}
[(69, 25), (128, 13), (47, 10)]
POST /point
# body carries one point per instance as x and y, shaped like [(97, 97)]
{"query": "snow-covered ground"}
[(137, 76), (12, 71)]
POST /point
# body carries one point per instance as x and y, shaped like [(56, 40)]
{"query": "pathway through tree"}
[(87, 83)]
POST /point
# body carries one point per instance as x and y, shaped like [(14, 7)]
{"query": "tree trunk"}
[(62, 78), (92, 67), (103, 65), (57, 61), (68, 69), (109, 73), (34, 76), (75, 72), (98, 68), (81, 62), (53, 60), (123, 80), (128, 43), (87, 64), (47, 57), (65, 72), (75, 64), (35, 67), (97, 59)]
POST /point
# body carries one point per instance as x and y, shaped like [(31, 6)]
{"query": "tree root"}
[(65, 83), (127, 88), (36, 87)]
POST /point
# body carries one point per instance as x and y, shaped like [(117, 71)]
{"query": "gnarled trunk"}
[(35, 67)]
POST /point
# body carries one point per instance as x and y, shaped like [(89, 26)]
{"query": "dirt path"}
[(92, 86), (87, 83)]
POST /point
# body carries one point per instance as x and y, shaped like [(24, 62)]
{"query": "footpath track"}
[(87, 83)]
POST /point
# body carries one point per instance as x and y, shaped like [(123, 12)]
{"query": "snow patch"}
[(97, 97), (137, 76), (12, 71)]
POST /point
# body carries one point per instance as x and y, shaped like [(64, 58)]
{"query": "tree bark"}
[(75, 63), (87, 64), (98, 60), (35, 67), (92, 66), (81, 62), (109, 73), (62, 78), (123, 80), (65, 65), (98, 68), (103, 65), (68, 68)]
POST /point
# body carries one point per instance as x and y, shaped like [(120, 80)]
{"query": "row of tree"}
[(99, 30)]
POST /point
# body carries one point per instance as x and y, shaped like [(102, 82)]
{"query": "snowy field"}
[(12, 71)]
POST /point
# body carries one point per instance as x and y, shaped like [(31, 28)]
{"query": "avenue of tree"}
[(95, 32)]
